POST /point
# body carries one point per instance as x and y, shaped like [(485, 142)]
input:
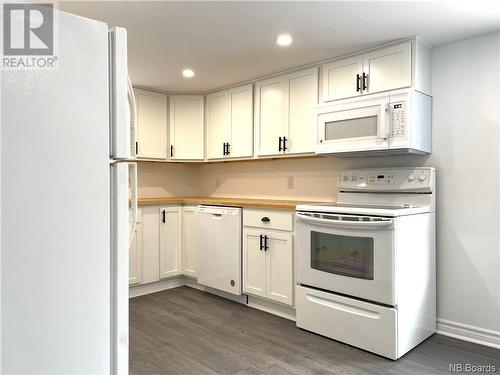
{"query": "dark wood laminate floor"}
[(186, 331)]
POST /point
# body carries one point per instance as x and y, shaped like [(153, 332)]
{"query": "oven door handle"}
[(386, 223)]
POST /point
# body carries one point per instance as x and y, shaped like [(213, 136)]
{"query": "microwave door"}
[(354, 129)]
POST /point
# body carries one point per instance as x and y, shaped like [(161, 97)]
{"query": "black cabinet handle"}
[(265, 219), (163, 218), (171, 151), (284, 144), (260, 242), (279, 145), (358, 83), (136, 148), (266, 247), (223, 149), (365, 81), (227, 149)]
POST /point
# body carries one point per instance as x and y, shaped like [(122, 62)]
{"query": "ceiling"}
[(230, 42)]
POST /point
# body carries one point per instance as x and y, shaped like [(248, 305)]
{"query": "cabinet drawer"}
[(362, 324), (269, 219)]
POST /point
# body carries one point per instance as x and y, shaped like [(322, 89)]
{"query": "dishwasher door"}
[(220, 238)]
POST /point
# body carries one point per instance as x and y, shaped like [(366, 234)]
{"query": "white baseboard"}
[(158, 286), (469, 333)]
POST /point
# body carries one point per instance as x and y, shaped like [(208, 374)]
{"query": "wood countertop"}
[(236, 202)]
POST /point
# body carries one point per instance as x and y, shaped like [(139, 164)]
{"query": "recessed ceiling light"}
[(188, 73), (284, 40)]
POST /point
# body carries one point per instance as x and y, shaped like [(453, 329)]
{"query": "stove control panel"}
[(385, 179)]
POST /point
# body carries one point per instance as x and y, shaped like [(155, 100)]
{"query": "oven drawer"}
[(268, 219), (365, 325)]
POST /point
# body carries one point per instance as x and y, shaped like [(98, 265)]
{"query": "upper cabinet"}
[(151, 125), (387, 69), (284, 113), (342, 78), (230, 123), (187, 127), (394, 67)]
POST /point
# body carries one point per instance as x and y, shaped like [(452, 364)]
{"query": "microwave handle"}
[(346, 224), (385, 121)]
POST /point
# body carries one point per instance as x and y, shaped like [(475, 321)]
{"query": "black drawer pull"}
[(265, 219)]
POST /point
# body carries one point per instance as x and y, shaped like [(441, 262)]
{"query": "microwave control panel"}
[(398, 119), (394, 179)]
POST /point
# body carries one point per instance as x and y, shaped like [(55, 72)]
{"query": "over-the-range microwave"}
[(394, 122)]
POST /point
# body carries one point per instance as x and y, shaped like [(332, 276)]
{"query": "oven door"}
[(354, 126), (348, 254)]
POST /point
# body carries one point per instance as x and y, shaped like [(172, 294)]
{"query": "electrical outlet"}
[(217, 182), (290, 182)]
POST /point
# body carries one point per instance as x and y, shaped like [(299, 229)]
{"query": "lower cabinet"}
[(170, 241), (135, 254), (268, 264), (190, 241)]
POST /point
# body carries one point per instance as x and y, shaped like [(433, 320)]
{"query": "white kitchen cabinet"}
[(230, 123), (170, 251), (218, 125), (284, 113), (151, 126), (387, 68), (397, 66), (342, 78), (190, 241), (268, 268), (279, 267), (150, 244), (187, 138), (254, 263), (135, 254), (241, 117), (302, 102)]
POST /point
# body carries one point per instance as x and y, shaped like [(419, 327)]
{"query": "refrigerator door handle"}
[(133, 120), (120, 109), (133, 201)]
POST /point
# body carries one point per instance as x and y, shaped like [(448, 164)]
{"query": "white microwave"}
[(395, 122)]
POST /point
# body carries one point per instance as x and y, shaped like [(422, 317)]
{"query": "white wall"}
[(466, 154)]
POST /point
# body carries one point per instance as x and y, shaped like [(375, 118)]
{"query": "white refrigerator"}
[(66, 215)]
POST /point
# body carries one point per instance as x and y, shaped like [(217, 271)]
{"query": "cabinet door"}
[(187, 138), (190, 241), (280, 268), (218, 124), (340, 78), (271, 115), (135, 257), (170, 241), (150, 244), (241, 116), (388, 68), (254, 264), (302, 102), (151, 124)]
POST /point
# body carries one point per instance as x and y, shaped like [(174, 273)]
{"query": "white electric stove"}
[(366, 265)]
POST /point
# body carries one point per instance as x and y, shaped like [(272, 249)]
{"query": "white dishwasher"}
[(219, 265)]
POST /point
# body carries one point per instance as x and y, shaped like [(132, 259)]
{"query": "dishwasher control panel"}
[(219, 210)]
